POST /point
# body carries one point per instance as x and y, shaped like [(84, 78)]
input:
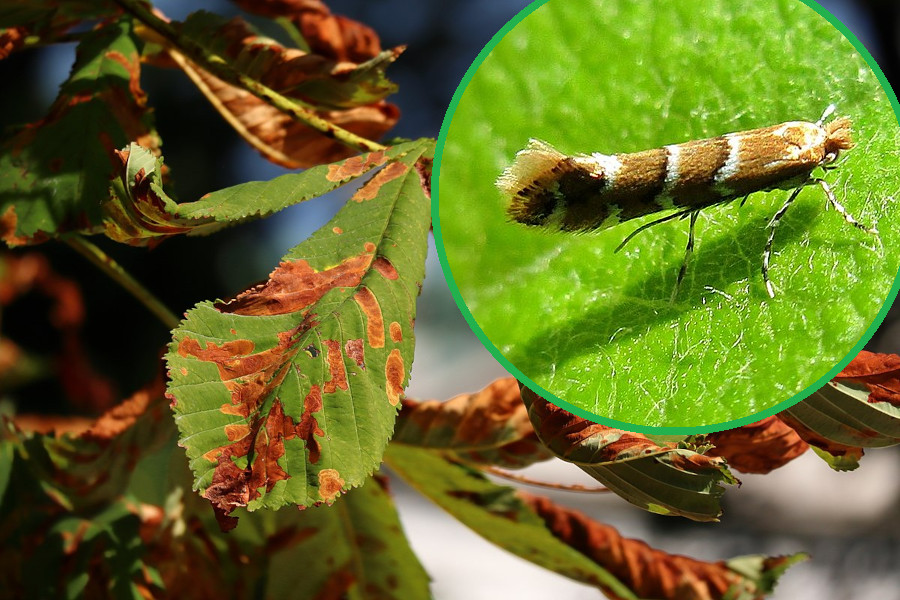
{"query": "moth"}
[(592, 192)]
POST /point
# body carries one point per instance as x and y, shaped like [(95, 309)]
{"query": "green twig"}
[(117, 273), (219, 67)]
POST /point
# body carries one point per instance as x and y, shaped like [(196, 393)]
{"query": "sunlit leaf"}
[(665, 478), (140, 212), (288, 393)]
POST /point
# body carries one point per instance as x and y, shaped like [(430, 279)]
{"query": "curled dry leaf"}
[(488, 427), (348, 94), (280, 138), (880, 373), (652, 573), (672, 479), (334, 36), (759, 447)]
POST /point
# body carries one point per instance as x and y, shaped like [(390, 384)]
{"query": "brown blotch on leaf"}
[(295, 286), (354, 350), (386, 268), (9, 221), (330, 484), (394, 371), (374, 321), (759, 447), (337, 230), (308, 428), (396, 331), (237, 431), (373, 186), (355, 166), (880, 373), (335, 361)]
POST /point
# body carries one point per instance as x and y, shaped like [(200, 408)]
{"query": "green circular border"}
[(495, 352)]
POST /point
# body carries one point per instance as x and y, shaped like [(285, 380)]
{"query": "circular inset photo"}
[(671, 217)]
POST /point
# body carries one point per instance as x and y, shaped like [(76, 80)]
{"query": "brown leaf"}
[(334, 36), (759, 447), (11, 40), (285, 141), (648, 572), (488, 427), (85, 388), (880, 373)]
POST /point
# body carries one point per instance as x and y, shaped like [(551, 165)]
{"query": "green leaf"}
[(54, 174), (668, 479), (497, 514), (359, 547), (140, 212), (288, 393), (594, 327), (65, 511)]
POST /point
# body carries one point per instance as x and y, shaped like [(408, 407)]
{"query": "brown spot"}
[(184, 371), (308, 428), (191, 347), (384, 266), (9, 221), (423, 168), (373, 186), (335, 360), (370, 247), (295, 286), (337, 230), (354, 350), (395, 372), (355, 166), (237, 431), (374, 321), (330, 484), (396, 331)]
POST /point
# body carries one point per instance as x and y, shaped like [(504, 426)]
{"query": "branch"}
[(115, 271), (569, 487)]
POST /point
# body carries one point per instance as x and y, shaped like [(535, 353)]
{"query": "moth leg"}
[(687, 255), (841, 210), (680, 214), (767, 253)]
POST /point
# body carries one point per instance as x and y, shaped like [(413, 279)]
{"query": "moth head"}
[(838, 136)]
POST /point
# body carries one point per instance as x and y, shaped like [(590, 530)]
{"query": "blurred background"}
[(843, 519)]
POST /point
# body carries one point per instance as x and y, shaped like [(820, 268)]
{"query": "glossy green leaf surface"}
[(288, 393), (595, 328)]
